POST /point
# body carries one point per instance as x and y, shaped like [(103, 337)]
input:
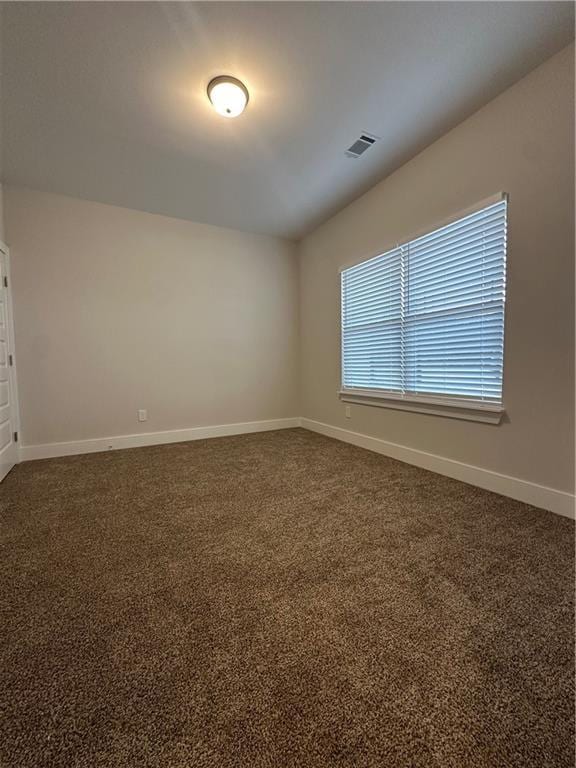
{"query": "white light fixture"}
[(228, 96)]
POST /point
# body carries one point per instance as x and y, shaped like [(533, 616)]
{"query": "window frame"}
[(451, 406)]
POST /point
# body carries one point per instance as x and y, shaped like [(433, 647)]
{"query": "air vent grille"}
[(362, 143)]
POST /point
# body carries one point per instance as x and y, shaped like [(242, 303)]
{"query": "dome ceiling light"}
[(228, 95)]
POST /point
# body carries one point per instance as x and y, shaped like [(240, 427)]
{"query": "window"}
[(424, 322)]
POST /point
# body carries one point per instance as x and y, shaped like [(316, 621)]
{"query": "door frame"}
[(13, 378)]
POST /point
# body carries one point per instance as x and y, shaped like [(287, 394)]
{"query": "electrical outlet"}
[(142, 415), (347, 412)]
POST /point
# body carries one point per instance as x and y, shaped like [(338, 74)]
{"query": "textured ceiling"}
[(106, 101)]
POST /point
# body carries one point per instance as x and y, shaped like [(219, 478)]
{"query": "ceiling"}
[(106, 101)]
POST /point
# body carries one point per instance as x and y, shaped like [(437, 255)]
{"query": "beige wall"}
[(117, 310), (521, 143)]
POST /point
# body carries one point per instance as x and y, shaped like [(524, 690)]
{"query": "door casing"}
[(14, 411)]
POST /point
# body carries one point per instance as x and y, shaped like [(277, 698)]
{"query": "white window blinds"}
[(427, 318)]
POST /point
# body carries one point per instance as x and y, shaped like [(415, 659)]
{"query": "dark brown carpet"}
[(278, 600)]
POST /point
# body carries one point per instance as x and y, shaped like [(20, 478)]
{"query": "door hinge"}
[(15, 437), (10, 360), (5, 281)]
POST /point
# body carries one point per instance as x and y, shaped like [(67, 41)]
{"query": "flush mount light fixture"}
[(228, 95)]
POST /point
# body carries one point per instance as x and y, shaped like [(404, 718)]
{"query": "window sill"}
[(488, 413)]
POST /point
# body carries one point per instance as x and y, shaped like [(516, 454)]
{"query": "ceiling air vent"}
[(361, 144)]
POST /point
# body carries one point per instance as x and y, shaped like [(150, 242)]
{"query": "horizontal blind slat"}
[(480, 270), (446, 257), (428, 317), (466, 224), (419, 255)]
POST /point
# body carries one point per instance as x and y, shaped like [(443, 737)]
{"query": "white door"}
[(8, 409)]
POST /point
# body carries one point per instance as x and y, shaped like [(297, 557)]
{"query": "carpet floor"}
[(278, 600)]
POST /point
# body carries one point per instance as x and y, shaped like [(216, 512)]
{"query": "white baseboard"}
[(52, 450), (560, 502)]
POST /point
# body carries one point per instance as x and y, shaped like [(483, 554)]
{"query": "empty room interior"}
[(287, 395)]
